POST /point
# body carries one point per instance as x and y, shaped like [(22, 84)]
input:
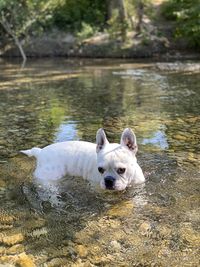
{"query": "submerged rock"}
[(192, 237), (25, 260), (123, 209), (144, 228), (11, 239), (6, 218), (39, 232), (16, 249), (179, 67), (81, 250), (115, 245), (57, 262), (21, 260)]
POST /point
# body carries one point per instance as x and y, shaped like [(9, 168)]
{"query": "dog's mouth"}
[(110, 183), (110, 188)]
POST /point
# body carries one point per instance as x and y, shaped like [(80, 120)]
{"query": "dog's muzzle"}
[(109, 182)]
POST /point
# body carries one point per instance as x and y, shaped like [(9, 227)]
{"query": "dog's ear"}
[(128, 139), (101, 139)]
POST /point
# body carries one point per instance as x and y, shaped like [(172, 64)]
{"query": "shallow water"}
[(73, 223)]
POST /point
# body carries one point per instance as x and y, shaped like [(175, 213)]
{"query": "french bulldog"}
[(114, 166)]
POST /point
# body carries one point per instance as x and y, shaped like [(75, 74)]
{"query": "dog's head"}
[(116, 162)]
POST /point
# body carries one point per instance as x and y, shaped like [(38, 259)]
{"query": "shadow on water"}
[(72, 222)]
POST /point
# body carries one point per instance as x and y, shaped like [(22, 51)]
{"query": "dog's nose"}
[(109, 182)]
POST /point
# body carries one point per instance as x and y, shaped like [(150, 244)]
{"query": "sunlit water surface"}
[(73, 223)]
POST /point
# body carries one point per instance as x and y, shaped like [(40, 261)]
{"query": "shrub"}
[(86, 31), (71, 14), (186, 14)]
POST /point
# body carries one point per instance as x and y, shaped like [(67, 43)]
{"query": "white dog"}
[(112, 165)]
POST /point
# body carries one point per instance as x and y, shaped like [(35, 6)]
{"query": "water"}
[(73, 223)]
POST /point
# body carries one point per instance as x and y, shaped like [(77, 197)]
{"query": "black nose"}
[(109, 182)]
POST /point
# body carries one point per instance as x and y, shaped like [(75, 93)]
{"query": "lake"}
[(73, 222)]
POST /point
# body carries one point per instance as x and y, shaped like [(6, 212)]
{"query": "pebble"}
[(5, 218), (57, 262), (180, 137), (25, 260), (80, 263), (115, 245), (11, 239), (21, 260), (122, 210), (191, 236), (144, 228), (39, 232), (81, 251), (16, 249)]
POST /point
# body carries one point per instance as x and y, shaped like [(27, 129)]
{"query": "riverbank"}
[(154, 40), (60, 44)]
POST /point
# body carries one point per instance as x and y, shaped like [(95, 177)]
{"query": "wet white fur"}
[(79, 158)]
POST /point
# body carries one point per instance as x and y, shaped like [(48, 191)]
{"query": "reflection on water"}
[(66, 131), (72, 222), (159, 139)]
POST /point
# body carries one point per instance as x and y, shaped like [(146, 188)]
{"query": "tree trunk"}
[(122, 17), (18, 44), (140, 13), (120, 6), (109, 4), (7, 28), (122, 11)]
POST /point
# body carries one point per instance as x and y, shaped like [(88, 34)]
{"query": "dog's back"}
[(76, 158)]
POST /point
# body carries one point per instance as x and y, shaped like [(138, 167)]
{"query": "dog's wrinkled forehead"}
[(115, 153)]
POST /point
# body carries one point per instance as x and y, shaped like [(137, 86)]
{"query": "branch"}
[(8, 29), (34, 17)]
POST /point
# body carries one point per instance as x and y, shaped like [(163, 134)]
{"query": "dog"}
[(114, 166)]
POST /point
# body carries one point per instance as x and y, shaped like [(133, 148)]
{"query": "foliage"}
[(84, 17), (75, 14), (186, 14), (23, 16), (132, 7), (86, 31), (19, 18)]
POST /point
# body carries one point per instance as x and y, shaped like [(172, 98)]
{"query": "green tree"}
[(73, 14), (186, 13), (19, 17)]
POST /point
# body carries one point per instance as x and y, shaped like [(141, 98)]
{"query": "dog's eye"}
[(101, 170), (121, 170)]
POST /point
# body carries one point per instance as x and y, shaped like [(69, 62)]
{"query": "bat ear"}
[(101, 140), (128, 139)]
